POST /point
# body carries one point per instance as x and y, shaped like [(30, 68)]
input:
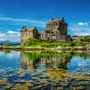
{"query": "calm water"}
[(46, 70)]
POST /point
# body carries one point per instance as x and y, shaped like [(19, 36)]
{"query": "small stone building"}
[(56, 30), (28, 32)]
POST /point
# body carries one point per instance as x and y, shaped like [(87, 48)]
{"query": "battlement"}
[(56, 30)]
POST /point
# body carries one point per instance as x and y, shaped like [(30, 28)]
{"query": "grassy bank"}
[(37, 55), (31, 42)]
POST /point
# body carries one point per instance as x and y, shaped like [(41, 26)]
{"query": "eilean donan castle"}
[(56, 30)]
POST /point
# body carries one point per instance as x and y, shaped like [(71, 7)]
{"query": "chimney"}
[(51, 19), (24, 28), (62, 18)]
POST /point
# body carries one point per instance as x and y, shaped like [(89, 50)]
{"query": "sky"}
[(15, 14)]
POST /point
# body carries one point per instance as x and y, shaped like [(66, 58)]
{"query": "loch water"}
[(44, 70)]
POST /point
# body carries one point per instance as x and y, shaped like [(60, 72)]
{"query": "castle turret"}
[(62, 18), (51, 19), (23, 28)]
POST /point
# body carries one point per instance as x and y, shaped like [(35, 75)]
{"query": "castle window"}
[(53, 35), (48, 32)]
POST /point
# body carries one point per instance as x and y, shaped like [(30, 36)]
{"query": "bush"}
[(79, 44), (64, 44), (40, 40), (71, 44), (81, 39), (7, 44), (31, 41), (50, 41), (60, 44)]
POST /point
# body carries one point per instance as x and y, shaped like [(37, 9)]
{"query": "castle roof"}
[(55, 20), (28, 29)]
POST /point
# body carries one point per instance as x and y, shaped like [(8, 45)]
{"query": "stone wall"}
[(55, 30), (26, 34), (25, 62), (50, 26), (63, 38)]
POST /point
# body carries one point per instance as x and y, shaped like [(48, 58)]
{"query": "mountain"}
[(9, 42)]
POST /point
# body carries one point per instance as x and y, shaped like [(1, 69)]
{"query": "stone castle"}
[(56, 30)]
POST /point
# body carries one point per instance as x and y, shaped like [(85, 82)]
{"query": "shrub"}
[(79, 44), (7, 44), (81, 39), (40, 40), (31, 41), (60, 44), (64, 44), (50, 41), (71, 44)]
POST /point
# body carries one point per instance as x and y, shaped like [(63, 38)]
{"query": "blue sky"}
[(14, 14)]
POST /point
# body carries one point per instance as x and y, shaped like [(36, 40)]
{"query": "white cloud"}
[(82, 34), (7, 29), (18, 40), (39, 23), (3, 39), (14, 35), (3, 35), (18, 34), (12, 32), (81, 23), (73, 29), (18, 29)]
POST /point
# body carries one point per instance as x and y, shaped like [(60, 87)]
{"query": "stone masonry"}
[(56, 30)]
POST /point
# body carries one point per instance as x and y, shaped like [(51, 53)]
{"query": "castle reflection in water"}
[(46, 62)]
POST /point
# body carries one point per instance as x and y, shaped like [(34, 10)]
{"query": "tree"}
[(85, 39), (31, 41), (81, 39)]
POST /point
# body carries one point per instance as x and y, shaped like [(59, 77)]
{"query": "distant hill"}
[(77, 38), (80, 36), (9, 42)]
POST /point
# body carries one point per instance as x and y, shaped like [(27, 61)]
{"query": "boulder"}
[(60, 47), (39, 47)]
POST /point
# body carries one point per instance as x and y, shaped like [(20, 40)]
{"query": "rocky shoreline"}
[(42, 48)]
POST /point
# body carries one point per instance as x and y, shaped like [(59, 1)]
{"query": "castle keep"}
[(56, 30)]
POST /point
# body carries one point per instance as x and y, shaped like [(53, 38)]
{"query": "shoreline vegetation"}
[(31, 55), (35, 44), (36, 55)]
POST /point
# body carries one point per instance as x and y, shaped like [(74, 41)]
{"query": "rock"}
[(1, 46), (5, 46), (60, 47), (39, 47), (80, 47)]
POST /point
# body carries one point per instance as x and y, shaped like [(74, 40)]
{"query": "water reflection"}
[(47, 70), (50, 62)]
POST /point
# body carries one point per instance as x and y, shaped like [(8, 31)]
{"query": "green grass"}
[(54, 44), (31, 42), (38, 55)]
